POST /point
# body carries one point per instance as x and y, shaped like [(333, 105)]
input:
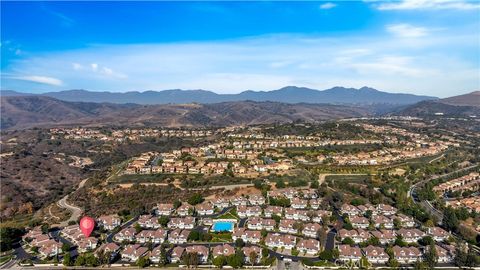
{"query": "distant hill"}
[(20, 112), (463, 105), (289, 94), (471, 99)]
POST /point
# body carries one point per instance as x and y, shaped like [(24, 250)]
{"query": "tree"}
[(163, 256), (163, 220), (66, 247), (431, 257), (45, 228), (8, 236), (280, 184), (348, 241), (322, 237), (253, 257), (195, 199), (177, 203), (450, 220), (80, 261), (239, 243), (67, 260), (393, 263), (235, 260), (426, 241), (143, 262), (264, 252), (219, 261), (137, 227), (194, 236)]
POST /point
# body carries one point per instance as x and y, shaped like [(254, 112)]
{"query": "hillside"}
[(20, 112), (463, 105), (471, 99), (289, 94)]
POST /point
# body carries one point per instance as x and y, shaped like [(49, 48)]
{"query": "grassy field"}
[(361, 179)]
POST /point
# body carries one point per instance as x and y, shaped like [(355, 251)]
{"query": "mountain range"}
[(289, 94), (20, 112)]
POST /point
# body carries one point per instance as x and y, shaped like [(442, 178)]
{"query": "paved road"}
[(330, 243), (76, 211), (426, 204)]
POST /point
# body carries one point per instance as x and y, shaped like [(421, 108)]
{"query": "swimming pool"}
[(222, 226)]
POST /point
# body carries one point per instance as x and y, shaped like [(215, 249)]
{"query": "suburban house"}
[(176, 254), (87, 244), (309, 246), (298, 203), (348, 253), (311, 229), (350, 210), (149, 222), (445, 255), (438, 234), (273, 210), (204, 209), (386, 209), (223, 250), (248, 236), (248, 250), (405, 221), (296, 214), (111, 248), (133, 252), (126, 234), (50, 248), (406, 254), (256, 199), (410, 235), (181, 223), (202, 252), (151, 236), (383, 222), (109, 222), (357, 236), (385, 236), (221, 203), (249, 211), (359, 222), (164, 209), (275, 240), (178, 236), (256, 223), (184, 210), (375, 254), (287, 226)]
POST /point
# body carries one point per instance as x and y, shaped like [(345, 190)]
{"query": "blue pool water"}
[(222, 226)]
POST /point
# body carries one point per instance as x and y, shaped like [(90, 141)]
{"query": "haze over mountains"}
[(25, 111), (289, 94)]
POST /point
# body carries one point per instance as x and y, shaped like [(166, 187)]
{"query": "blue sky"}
[(415, 46)]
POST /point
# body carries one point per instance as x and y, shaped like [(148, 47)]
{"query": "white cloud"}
[(416, 65), (40, 79), (428, 4), (77, 66), (327, 5), (407, 30)]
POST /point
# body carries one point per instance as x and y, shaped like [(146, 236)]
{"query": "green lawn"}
[(5, 258), (232, 214), (221, 237)]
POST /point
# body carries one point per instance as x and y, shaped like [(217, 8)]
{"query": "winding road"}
[(76, 211)]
